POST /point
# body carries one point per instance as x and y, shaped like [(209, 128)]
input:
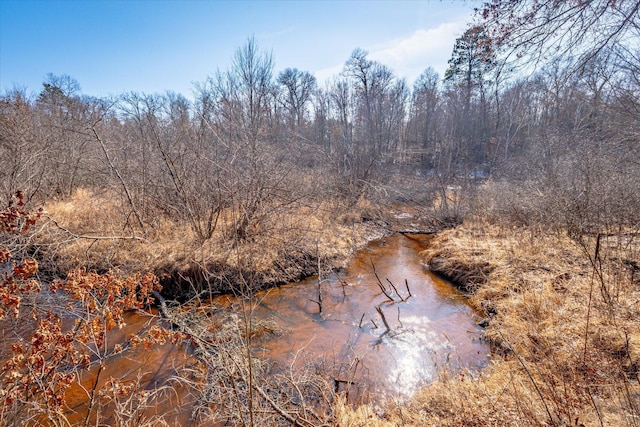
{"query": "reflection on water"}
[(371, 342), (431, 330)]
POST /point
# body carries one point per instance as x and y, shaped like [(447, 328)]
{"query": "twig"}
[(344, 285), (382, 288), (319, 302), (384, 319), (394, 288), (277, 408), (344, 282), (93, 393), (535, 385), (406, 284), (84, 236), (120, 178)]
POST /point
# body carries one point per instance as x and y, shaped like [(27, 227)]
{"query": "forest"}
[(522, 162)]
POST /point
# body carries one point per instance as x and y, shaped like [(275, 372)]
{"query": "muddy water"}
[(430, 329), (153, 369), (428, 332)]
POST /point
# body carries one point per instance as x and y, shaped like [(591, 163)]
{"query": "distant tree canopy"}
[(251, 132)]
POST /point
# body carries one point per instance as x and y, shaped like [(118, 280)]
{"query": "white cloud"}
[(328, 73), (410, 56)]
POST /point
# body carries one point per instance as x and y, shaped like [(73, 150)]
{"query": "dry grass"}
[(97, 230), (283, 243), (566, 334), (563, 315)]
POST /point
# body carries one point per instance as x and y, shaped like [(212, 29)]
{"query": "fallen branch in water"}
[(384, 319), (406, 284), (394, 288), (380, 285), (319, 302), (343, 283)]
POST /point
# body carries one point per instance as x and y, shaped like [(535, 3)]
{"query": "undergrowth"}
[(562, 317)]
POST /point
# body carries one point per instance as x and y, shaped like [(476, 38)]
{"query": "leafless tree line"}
[(560, 147), (250, 138)]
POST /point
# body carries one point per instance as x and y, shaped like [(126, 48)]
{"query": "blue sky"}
[(150, 46)]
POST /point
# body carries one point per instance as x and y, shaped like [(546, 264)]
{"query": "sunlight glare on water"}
[(430, 331)]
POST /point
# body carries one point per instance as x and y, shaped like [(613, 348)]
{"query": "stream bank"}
[(286, 245), (567, 330)]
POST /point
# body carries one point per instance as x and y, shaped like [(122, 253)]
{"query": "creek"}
[(386, 327), (429, 327)]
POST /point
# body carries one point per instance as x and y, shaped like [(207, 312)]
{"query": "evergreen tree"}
[(472, 58)]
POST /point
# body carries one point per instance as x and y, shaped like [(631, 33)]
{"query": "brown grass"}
[(566, 341), (563, 315), (283, 244)]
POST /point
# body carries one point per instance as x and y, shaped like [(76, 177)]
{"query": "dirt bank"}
[(95, 231)]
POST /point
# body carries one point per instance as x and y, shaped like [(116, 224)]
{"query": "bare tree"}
[(172, 164), (243, 98), (23, 156), (537, 31), (66, 119), (424, 105), (299, 86)]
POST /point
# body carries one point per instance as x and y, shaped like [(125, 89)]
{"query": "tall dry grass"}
[(282, 244), (564, 321)]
